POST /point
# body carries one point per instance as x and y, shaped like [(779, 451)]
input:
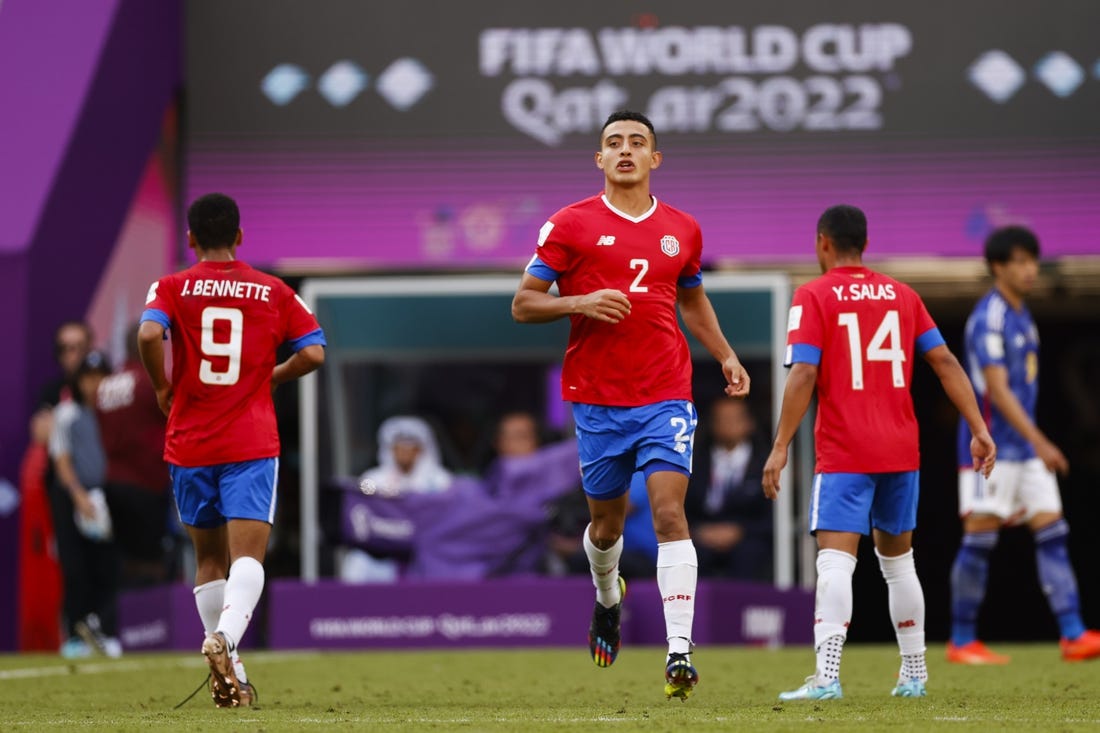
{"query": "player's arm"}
[(533, 303), (1002, 397), (796, 400), (300, 363), (957, 386), (701, 320), (151, 350)]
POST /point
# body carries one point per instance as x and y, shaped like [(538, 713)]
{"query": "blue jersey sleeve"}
[(691, 281), (156, 316), (929, 340), (986, 337), (802, 354), (541, 270)]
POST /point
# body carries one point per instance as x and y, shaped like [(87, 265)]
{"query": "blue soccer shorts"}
[(207, 496), (615, 442), (856, 502)]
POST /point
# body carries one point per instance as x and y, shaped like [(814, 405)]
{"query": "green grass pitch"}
[(546, 690)]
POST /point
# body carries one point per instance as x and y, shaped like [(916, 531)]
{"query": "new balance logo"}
[(606, 241)]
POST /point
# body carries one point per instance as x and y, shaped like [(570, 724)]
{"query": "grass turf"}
[(545, 690)]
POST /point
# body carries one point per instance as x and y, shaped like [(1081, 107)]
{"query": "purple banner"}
[(519, 612), (165, 618)]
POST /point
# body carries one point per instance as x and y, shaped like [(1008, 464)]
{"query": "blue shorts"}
[(207, 496), (614, 442), (856, 502)]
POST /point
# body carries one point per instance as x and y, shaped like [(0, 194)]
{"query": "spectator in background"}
[(730, 518), (408, 462), (132, 426), (408, 458), (81, 521), (71, 343)]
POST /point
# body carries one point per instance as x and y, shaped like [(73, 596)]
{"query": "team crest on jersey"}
[(670, 245)]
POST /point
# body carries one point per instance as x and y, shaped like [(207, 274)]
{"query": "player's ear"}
[(599, 160), (191, 241), (240, 236), (656, 158)]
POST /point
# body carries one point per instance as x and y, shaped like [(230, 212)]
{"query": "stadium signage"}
[(759, 88)]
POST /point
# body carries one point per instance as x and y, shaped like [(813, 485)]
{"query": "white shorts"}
[(1015, 491)]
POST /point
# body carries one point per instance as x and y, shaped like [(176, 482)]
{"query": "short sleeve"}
[(987, 337), (302, 328), (928, 335), (158, 307), (691, 276), (554, 248), (64, 415), (805, 335)]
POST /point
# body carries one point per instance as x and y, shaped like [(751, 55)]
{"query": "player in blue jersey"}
[(1002, 354)]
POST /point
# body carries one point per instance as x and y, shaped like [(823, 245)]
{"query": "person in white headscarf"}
[(408, 462), (408, 459)]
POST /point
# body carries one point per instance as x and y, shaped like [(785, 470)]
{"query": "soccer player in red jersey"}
[(222, 446), (623, 262), (853, 333)]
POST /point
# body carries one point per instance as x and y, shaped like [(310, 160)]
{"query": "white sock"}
[(209, 599), (832, 610), (605, 569), (677, 577), (906, 612), (242, 593)]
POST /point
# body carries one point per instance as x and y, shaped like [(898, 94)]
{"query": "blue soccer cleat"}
[(604, 637), (680, 677), (813, 691), (909, 688)]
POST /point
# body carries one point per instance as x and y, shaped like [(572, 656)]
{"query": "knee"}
[(669, 522), (605, 531)]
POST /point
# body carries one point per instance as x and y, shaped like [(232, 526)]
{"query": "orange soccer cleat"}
[(974, 653), (1085, 646)]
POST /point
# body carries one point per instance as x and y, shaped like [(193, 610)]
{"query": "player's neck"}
[(633, 201), (845, 262), (216, 255), (1014, 299)]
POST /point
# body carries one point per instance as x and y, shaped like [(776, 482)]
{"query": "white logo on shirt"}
[(794, 318), (606, 240), (670, 245), (152, 294), (544, 233)]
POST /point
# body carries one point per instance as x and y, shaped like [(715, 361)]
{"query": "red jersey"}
[(226, 321), (862, 329), (131, 426), (644, 358)]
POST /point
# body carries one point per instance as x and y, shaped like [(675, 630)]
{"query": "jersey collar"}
[(628, 217)]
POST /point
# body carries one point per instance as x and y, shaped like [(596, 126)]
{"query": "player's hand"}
[(164, 399), (984, 453), (608, 305), (737, 379), (82, 503), (1052, 457), (777, 460)]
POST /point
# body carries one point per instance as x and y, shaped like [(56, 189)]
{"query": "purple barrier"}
[(165, 618), (519, 612), (506, 612)]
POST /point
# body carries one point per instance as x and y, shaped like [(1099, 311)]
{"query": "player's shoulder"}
[(577, 209), (667, 210), (990, 310)]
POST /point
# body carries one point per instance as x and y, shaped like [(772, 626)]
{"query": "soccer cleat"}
[(909, 688), (680, 677), (974, 652), (89, 629), (249, 695), (604, 631), (224, 687), (810, 690), (1085, 646)]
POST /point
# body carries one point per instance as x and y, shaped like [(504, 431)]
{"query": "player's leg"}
[(985, 504), (665, 437), (894, 516), (606, 467), (840, 508), (1043, 505)]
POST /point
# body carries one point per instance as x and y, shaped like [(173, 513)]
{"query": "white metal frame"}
[(314, 290)]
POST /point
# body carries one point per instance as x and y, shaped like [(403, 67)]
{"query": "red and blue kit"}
[(590, 246), (861, 329), (226, 322)]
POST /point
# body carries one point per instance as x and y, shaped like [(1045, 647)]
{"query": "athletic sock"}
[(677, 578), (906, 612), (605, 569), (968, 578), (832, 611), (242, 593), (209, 599), (1057, 578)]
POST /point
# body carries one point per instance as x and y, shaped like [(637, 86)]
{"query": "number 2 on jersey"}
[(877, 350), (230, 349)]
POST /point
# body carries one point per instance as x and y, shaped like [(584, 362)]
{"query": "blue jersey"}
[(999, 335)]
